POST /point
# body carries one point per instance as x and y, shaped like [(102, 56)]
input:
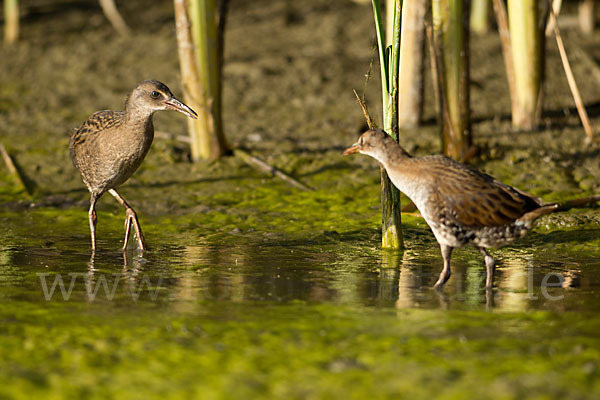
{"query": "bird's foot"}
[(132, 220), (93, 220), (490, 267), (443, 278)]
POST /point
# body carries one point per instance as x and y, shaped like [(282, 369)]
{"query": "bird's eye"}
[(155, 94), (361, 141)]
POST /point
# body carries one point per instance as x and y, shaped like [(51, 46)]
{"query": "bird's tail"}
[(550, 208)]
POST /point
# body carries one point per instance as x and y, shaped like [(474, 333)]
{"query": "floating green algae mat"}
[(294, 351), (289, 314)]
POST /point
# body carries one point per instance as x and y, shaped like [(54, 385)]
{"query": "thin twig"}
[(12, 169), (553, 17), (363, 105), (585, 120), (247, 158), (263, 166), (113, 16)]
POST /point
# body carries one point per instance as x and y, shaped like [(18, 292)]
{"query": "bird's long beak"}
[(352, 149), (174, 104)]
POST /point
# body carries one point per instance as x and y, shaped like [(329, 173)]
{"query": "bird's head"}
[(154, 96), (375, 143)]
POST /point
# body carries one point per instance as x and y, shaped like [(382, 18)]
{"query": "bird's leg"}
[(490, 266), (445, 274), (130, 219), (127, 230), (93, 220)]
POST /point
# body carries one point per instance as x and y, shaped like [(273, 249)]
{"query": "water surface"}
[(250, 314)]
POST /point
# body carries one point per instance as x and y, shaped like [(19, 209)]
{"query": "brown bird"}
[(461, 205), (110, 146)]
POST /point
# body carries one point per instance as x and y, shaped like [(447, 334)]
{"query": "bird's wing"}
[(475, 199), (96, 123)]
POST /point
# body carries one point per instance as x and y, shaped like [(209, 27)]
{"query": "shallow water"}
[(315, 273), (331, 268), (253, 314)]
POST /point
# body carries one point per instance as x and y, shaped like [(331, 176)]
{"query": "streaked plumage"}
[(461, 205), (110, 146)]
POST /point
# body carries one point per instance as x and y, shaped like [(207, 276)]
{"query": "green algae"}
[(252, 289), (296, 351), (284, 307)]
